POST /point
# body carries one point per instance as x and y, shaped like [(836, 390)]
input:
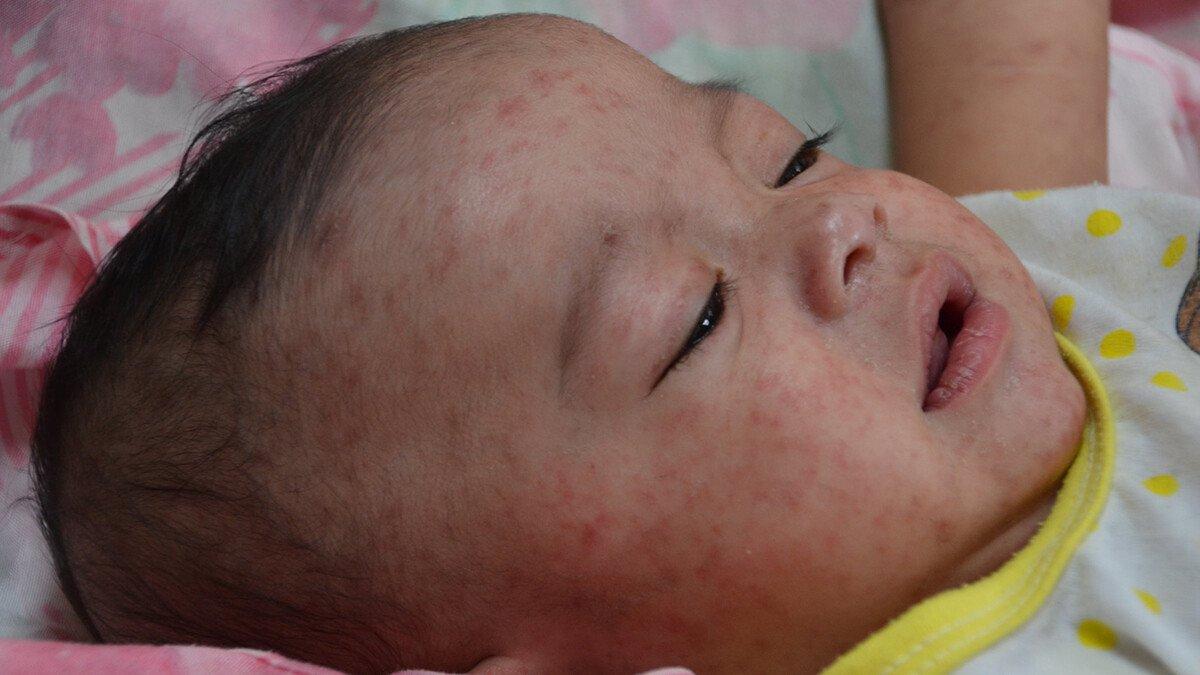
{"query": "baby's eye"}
[(804, 158), (710, 316)]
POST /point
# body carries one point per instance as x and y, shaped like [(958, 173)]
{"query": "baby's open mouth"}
[(964, 336), (948, 325)]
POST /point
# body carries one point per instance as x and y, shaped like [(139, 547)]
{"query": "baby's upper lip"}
[(942, 281)]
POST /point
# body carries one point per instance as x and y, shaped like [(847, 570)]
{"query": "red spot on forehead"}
[(520, 146), (541, 80), (511, 109), (544, 80)]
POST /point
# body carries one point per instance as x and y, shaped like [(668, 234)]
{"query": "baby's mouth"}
[(962, 333), (948, 325)]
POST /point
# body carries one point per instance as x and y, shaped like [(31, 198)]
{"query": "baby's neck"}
[(1008, 540)]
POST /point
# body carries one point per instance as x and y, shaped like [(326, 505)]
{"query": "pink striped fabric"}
[(46, 258)]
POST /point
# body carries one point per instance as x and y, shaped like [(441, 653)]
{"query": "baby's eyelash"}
[(719, 298), (805, 157)]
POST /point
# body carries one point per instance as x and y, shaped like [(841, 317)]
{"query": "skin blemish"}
[(436, 270), (760, 419), (356, 298), (544, 81), (588, 537), (599, 101), (614, 98), (513, 222), (943, 531), (511, 109), (489, 158), (519, 146)]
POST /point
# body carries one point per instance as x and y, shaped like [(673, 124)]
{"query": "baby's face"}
[(772, 497)]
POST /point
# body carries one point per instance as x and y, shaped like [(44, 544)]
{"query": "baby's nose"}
[(832, 241)]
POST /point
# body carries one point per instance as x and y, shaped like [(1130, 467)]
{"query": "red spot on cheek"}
[(438, 268), (510, 109), (488, 160), (356, 297), (511, 224), (943, 531), (760, 419), (589, 536), (520, 146)]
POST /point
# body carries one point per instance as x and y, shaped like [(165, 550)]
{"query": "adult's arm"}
[(998, 94)]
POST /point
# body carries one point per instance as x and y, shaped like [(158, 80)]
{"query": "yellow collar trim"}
[(943, 631)]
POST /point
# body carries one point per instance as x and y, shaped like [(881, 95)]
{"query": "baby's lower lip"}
[(975, 350)]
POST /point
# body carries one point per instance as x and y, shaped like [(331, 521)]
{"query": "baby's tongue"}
[(941, 349)]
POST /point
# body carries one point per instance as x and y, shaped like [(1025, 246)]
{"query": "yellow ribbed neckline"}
[(943, 631)]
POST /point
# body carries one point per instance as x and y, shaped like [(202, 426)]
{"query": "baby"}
[(490, 344)]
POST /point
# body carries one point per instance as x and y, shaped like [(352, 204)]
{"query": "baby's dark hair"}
[(163, 426)]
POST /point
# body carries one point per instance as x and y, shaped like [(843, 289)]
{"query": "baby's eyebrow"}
[(722, 93)]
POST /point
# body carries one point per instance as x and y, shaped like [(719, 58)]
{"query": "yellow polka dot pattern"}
[(1174, 252), (1168, 380), (1163, 485), (1060, 311), (1118, 344), (1149, 601), (1103, 223), (1096, 634)]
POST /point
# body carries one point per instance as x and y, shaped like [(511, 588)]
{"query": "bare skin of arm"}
[(998, 94)]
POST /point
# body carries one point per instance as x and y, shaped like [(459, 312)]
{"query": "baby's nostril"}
[(860, 256)]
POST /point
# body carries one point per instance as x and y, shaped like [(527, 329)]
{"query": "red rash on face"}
[(521, 145), (511, 109), (605, 100), (436, 270), (544, 81), (356, 298), (488, 160)]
